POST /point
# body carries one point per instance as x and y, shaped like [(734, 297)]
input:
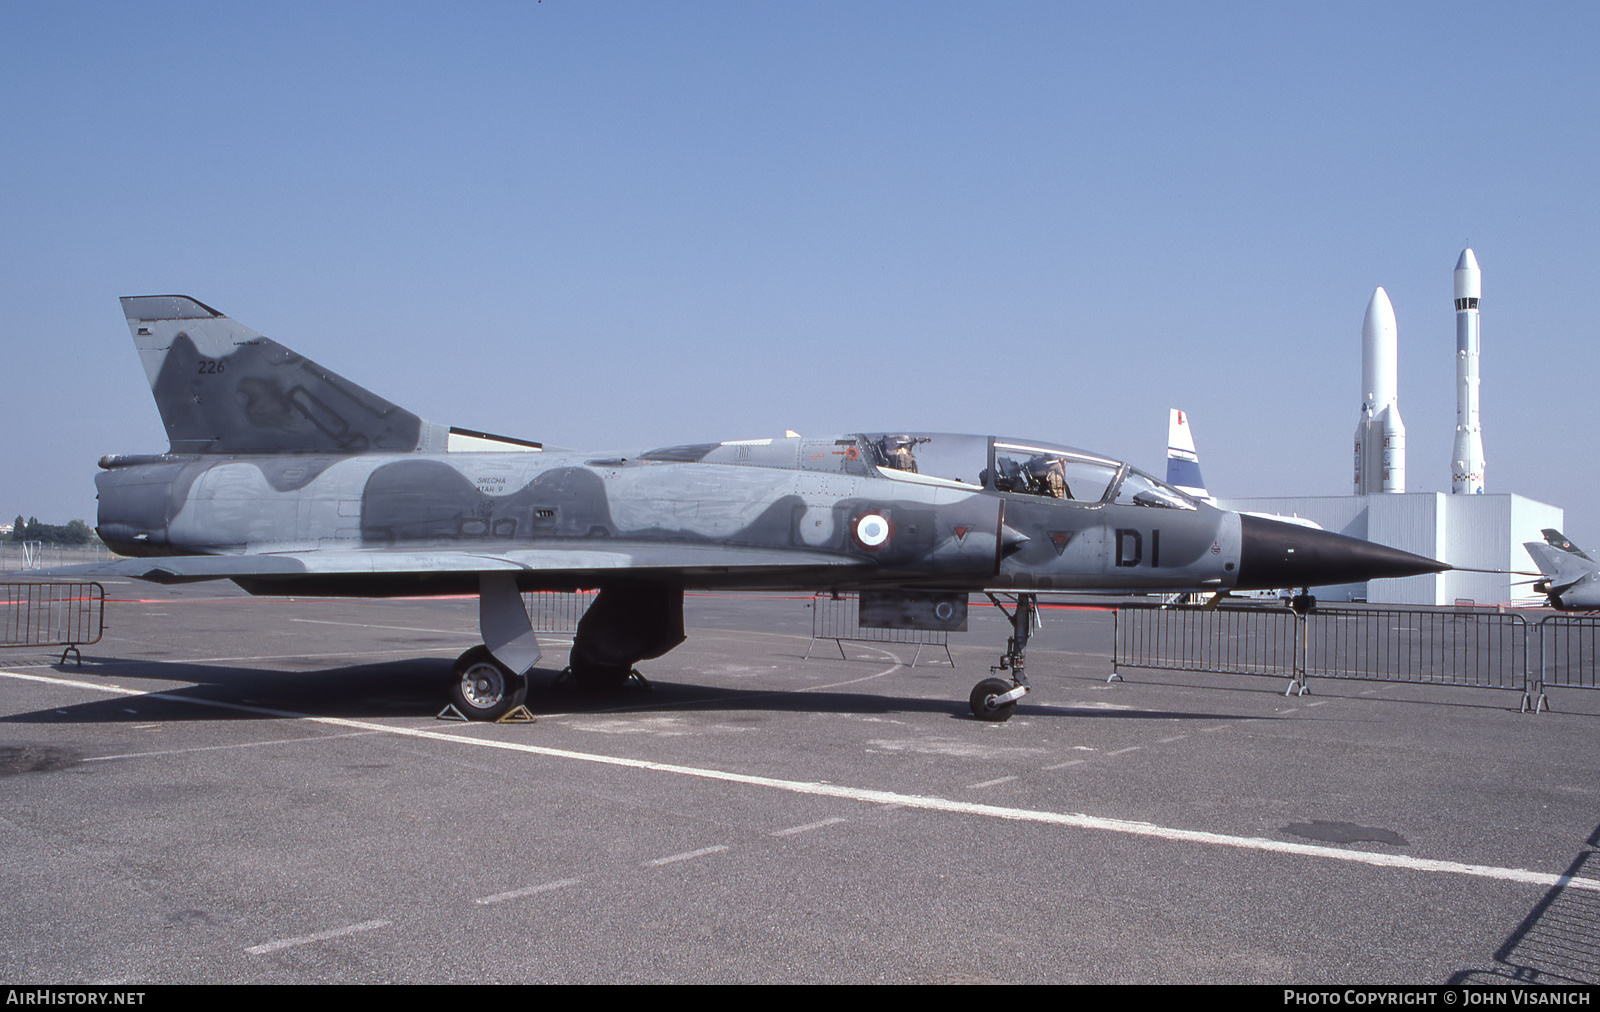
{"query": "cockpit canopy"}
[(1018, 467)]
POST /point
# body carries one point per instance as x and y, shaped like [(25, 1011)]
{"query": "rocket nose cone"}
[(1380, 313), (1469, 279), (1273, 554)]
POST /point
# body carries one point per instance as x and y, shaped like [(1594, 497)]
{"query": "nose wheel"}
[(994, 699)]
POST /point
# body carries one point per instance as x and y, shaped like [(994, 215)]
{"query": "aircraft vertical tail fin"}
[(1183, 462), (1555, 539), (223, 388), (1561, 568)]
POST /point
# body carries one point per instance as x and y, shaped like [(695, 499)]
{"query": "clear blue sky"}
[(616, 225)]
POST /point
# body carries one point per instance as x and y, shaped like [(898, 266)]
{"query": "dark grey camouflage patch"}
[(263, 398)]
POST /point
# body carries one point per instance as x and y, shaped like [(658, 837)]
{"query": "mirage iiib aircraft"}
[(289, 479)]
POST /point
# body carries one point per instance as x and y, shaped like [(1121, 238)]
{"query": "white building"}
[(1471, 531)]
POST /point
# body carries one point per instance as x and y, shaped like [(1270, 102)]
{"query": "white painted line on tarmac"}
[(1169, 741), (991, 783), (890, 798), (1130, 748), (409, 652), (321, 936), (516, 894), (686, 856), (808, 827), (1069, 762)]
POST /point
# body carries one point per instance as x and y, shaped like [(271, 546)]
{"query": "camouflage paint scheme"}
[(273, 455), (289, 479)]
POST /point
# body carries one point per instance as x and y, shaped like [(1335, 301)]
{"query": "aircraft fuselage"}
[(821, 498)]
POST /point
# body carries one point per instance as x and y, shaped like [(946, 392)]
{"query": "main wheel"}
[(484, 689), (982, 700)]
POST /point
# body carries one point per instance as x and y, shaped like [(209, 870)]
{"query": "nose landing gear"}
[(994, 699)]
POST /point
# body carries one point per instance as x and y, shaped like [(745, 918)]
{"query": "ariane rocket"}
[(1380, 434), (1467, 461)]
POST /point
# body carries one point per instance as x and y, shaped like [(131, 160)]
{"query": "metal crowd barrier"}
[(66, 615), (837, 618), (1236, 639), (1468, 647), (1568, 648), (1474, 648), (20, 556), (558, 611)]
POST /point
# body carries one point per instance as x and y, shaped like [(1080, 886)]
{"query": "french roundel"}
[(872, 530)]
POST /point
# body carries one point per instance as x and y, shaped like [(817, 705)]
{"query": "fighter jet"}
[(291, 480), (1571, 579)]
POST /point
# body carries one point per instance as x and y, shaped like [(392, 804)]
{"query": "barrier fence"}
[(557, 611), (837, 618), (1569, 646), (68, 615), (20, 556), (1475, 648), (1236, 639)]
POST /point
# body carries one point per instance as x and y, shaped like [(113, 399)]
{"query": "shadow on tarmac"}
[(1556, 944), (416, 688)]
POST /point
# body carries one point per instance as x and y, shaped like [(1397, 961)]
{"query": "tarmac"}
[(240, 790)]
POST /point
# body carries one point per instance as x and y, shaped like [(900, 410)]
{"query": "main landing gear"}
[(628, 622), (995, 698)]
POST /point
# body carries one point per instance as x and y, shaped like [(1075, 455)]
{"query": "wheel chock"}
[(451, 713), (518, 714)]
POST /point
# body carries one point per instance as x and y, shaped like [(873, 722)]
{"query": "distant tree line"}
[(75, 533)]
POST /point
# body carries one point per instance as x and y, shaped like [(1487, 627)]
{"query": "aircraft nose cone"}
[(1274, 554)]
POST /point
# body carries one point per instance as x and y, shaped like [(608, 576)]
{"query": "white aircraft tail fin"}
[(1183, 462)]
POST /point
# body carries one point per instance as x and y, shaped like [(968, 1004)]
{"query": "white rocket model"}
[(1468, 460), (1380, 435)]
